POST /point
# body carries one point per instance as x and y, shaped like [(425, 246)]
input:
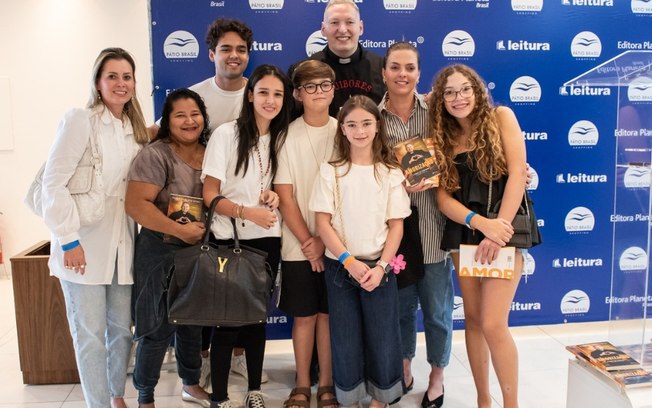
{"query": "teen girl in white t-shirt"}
[(239, 164)]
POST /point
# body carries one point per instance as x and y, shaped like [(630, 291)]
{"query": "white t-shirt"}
[(365, 205), (219, 162), (222, 106), (305, 149)]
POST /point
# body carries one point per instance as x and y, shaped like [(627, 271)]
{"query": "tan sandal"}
[(293, 402), (326, 402)]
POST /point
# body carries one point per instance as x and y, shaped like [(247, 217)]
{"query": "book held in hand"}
[(502, 267), (184, 209), (604, 356), (417, 162)]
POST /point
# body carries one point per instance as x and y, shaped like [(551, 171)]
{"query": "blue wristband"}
[(468, 219), (70, 245), (344, 255)]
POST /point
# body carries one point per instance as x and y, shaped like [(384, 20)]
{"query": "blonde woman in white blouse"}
[(94, 262)]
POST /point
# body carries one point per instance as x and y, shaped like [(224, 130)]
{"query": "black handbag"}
[(526, 229), (219, 285)]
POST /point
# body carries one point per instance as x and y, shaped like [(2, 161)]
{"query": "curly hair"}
[(485, 150), (382, 153), (221, 26)]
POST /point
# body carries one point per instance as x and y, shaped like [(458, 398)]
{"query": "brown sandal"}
[(293, 402), (326, 402)]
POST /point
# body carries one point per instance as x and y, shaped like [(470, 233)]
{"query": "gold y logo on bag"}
[(221, 263)]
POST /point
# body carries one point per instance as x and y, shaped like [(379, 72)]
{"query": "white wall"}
[(48, 52)]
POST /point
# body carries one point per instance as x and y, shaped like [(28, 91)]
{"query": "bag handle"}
[(497, 207), (209, 220)]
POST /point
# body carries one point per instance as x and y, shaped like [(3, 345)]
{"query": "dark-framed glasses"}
[(465, 92), (311, 88)]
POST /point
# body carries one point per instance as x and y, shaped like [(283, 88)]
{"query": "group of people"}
[(306, 168)]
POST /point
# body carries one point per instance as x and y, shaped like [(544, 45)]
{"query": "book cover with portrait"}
[(604, 356), (417, 162), (184, 209)]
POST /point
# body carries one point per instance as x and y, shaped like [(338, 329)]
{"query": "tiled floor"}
[(543, 370)]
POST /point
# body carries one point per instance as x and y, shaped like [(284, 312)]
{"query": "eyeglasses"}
[(465, 92), (311, 88)]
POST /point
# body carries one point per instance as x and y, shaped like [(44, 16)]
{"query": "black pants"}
[(252, 337)]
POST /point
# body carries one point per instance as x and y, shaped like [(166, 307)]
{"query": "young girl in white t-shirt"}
[(360, 204)]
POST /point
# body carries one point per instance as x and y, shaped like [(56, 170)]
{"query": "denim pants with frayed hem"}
[(100, 323), (435, 294), (365, 338), (151, 352)]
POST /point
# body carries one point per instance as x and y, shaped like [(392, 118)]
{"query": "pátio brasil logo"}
[(181, 45)]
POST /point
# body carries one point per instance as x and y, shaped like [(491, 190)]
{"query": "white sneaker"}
[(205, 375), (223, 404), (254, 399), (239, 366)]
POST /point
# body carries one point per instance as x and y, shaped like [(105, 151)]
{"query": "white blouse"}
[(108, 244), (366, 203)]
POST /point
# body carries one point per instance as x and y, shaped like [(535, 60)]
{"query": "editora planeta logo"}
[(579, 219), (583, 133), (633, 259), (525, 89), (181, 45), (458, 44), (575, 301), (315, 43), (586, 45), (527, 5)]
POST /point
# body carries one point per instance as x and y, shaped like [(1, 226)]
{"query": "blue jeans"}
[(364, 338), (100, 323), (435, 294), (151, 352)]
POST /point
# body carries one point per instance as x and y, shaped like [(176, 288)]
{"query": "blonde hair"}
[(132, 108), (332, 3), (485, 153)]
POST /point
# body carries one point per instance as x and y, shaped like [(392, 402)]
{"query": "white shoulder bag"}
[(85, 185)]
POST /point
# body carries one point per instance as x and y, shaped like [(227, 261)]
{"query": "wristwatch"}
[(386, 267)]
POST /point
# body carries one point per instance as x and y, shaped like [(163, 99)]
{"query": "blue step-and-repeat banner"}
[(583, 102)]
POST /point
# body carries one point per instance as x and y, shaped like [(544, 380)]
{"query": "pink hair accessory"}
[(398, 263)]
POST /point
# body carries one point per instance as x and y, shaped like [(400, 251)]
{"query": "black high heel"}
[(436, 403)]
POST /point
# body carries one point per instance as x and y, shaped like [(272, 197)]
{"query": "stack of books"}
[(614, 362)]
